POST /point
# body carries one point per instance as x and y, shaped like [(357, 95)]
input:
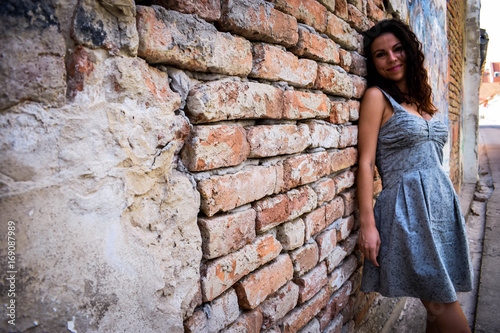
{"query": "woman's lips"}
[(395, 68)]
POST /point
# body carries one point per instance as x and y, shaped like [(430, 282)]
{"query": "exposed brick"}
[(333, 81), (302, 105), (210, 147), (323, 134), (291, 234), (248, 322), (226, 233), (258, 20), (220, 274), (350, 242), (358, 64), (374, 12), (315, 221), (304, 258), (326, 241), (340, 299), (197, 323), (206, 9), (313, 46), (225, 192), (358, 86), (272, 140), (334, 210), (230, 99), (378, 3), (341, 33), (309, 12), (274, 210), (359, 4), (182, 40), (348, 136), (223, 311), (275, 64), (324, 189), (278, 304), (343, 158), (341, 9), (344, 227), (335, 325), (339, 112), (335, 258), (302, 314), (344, 180), (357, 19), (311, 327), (311, 282), (342, 273), (345, 60), (353, 106), (304, 169), (350, 202), (329, 4)]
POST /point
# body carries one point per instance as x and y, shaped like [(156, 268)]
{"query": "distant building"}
[(492, 74)]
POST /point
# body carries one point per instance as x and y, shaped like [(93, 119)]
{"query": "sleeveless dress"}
[(424, 251)]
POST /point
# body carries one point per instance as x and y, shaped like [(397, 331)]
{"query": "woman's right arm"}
[(371, 116)]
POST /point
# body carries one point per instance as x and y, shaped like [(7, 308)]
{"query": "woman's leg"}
[(445, 318)]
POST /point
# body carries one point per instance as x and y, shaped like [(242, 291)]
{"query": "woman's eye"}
[(379, 55), (399, 49)]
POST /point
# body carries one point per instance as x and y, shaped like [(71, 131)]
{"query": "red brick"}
[(302, 105), (350, 201), (311, 282), (335, 258), (168, 37), (334, 210), (231, 99), (350, 242), (323, 134), (359, 86), (272, 211), (344, 180), (342, 273), (359, 4), (315, 221), (258, 20), (345, 60), (220, 274), (311, 327), (206, 9), (277, 305), (344, 158), (358, 64), (226, 233), (211, 147), (339, 112), (353, 107), (379, 3), (357, 19), (302, 314), (309, 12), (304, 169), (333, 81), (329, 4), (255, 287), (324, 189), (341, 9), (348, 136), (304, 258), (334, 326), (272, 140), (326, 241), (341, 33), (373, 12), (291, 234), (313, 46), (197, 323), (340, 301), (223, 311), (225, 192), (275, 64), (248, 321), (344, 227)]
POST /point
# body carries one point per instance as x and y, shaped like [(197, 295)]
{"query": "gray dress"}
[(424, 251)]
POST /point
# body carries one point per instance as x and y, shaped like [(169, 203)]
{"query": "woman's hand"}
[(369, 243)]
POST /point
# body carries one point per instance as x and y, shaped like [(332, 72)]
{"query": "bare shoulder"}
[(374, 95)]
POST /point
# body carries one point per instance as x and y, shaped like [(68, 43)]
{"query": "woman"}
[(414, 239)]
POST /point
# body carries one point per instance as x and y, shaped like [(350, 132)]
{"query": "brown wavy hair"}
[(419, 90)]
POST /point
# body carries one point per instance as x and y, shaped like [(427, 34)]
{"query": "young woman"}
[(414, 239)]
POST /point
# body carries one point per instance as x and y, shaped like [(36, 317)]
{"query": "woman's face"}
[(389, 58)]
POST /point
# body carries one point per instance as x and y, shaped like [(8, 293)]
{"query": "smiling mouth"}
[(395, 68)]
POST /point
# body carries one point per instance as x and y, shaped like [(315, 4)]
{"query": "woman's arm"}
[(372, 114)]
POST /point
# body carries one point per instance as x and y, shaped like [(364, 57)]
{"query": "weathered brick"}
[(291, 234), (345, 60), (340, 299), (329, 4), (350, 202), (315, 221), (344, 158), (350, 242), (278, 304), (358, 64), (272, 140), (342, 273), (258, 20), (374, 12), (334, 81), (313, 46), (311, 327), (255, 287), (341, 9), (210, 147), (302, 314), (226, 233), (358, 86), (357, 19), (197, 323), (272, 211), (339, 112), (324, 189), (348, 136), (309, 12), (304, 258), (334, 210), (275, 64), (225, 192), (220, 274), (182, 40), (304, 169), (353, 106), (326, 241), (323, 134), (344, 227), (206, 9), (223, 311), (344, 180), (228, 99), (248, 322), (335, 326), (311, 282), (341, 33), (359, 4), (302, 105)]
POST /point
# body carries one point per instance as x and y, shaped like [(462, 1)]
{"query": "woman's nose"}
[(392, 56)]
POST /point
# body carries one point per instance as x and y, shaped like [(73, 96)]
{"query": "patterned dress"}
[(424, 251)]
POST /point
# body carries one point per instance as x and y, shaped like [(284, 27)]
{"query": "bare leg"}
[(445, 318)]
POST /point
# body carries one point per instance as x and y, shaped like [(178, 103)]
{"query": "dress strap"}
[(395, 105)]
